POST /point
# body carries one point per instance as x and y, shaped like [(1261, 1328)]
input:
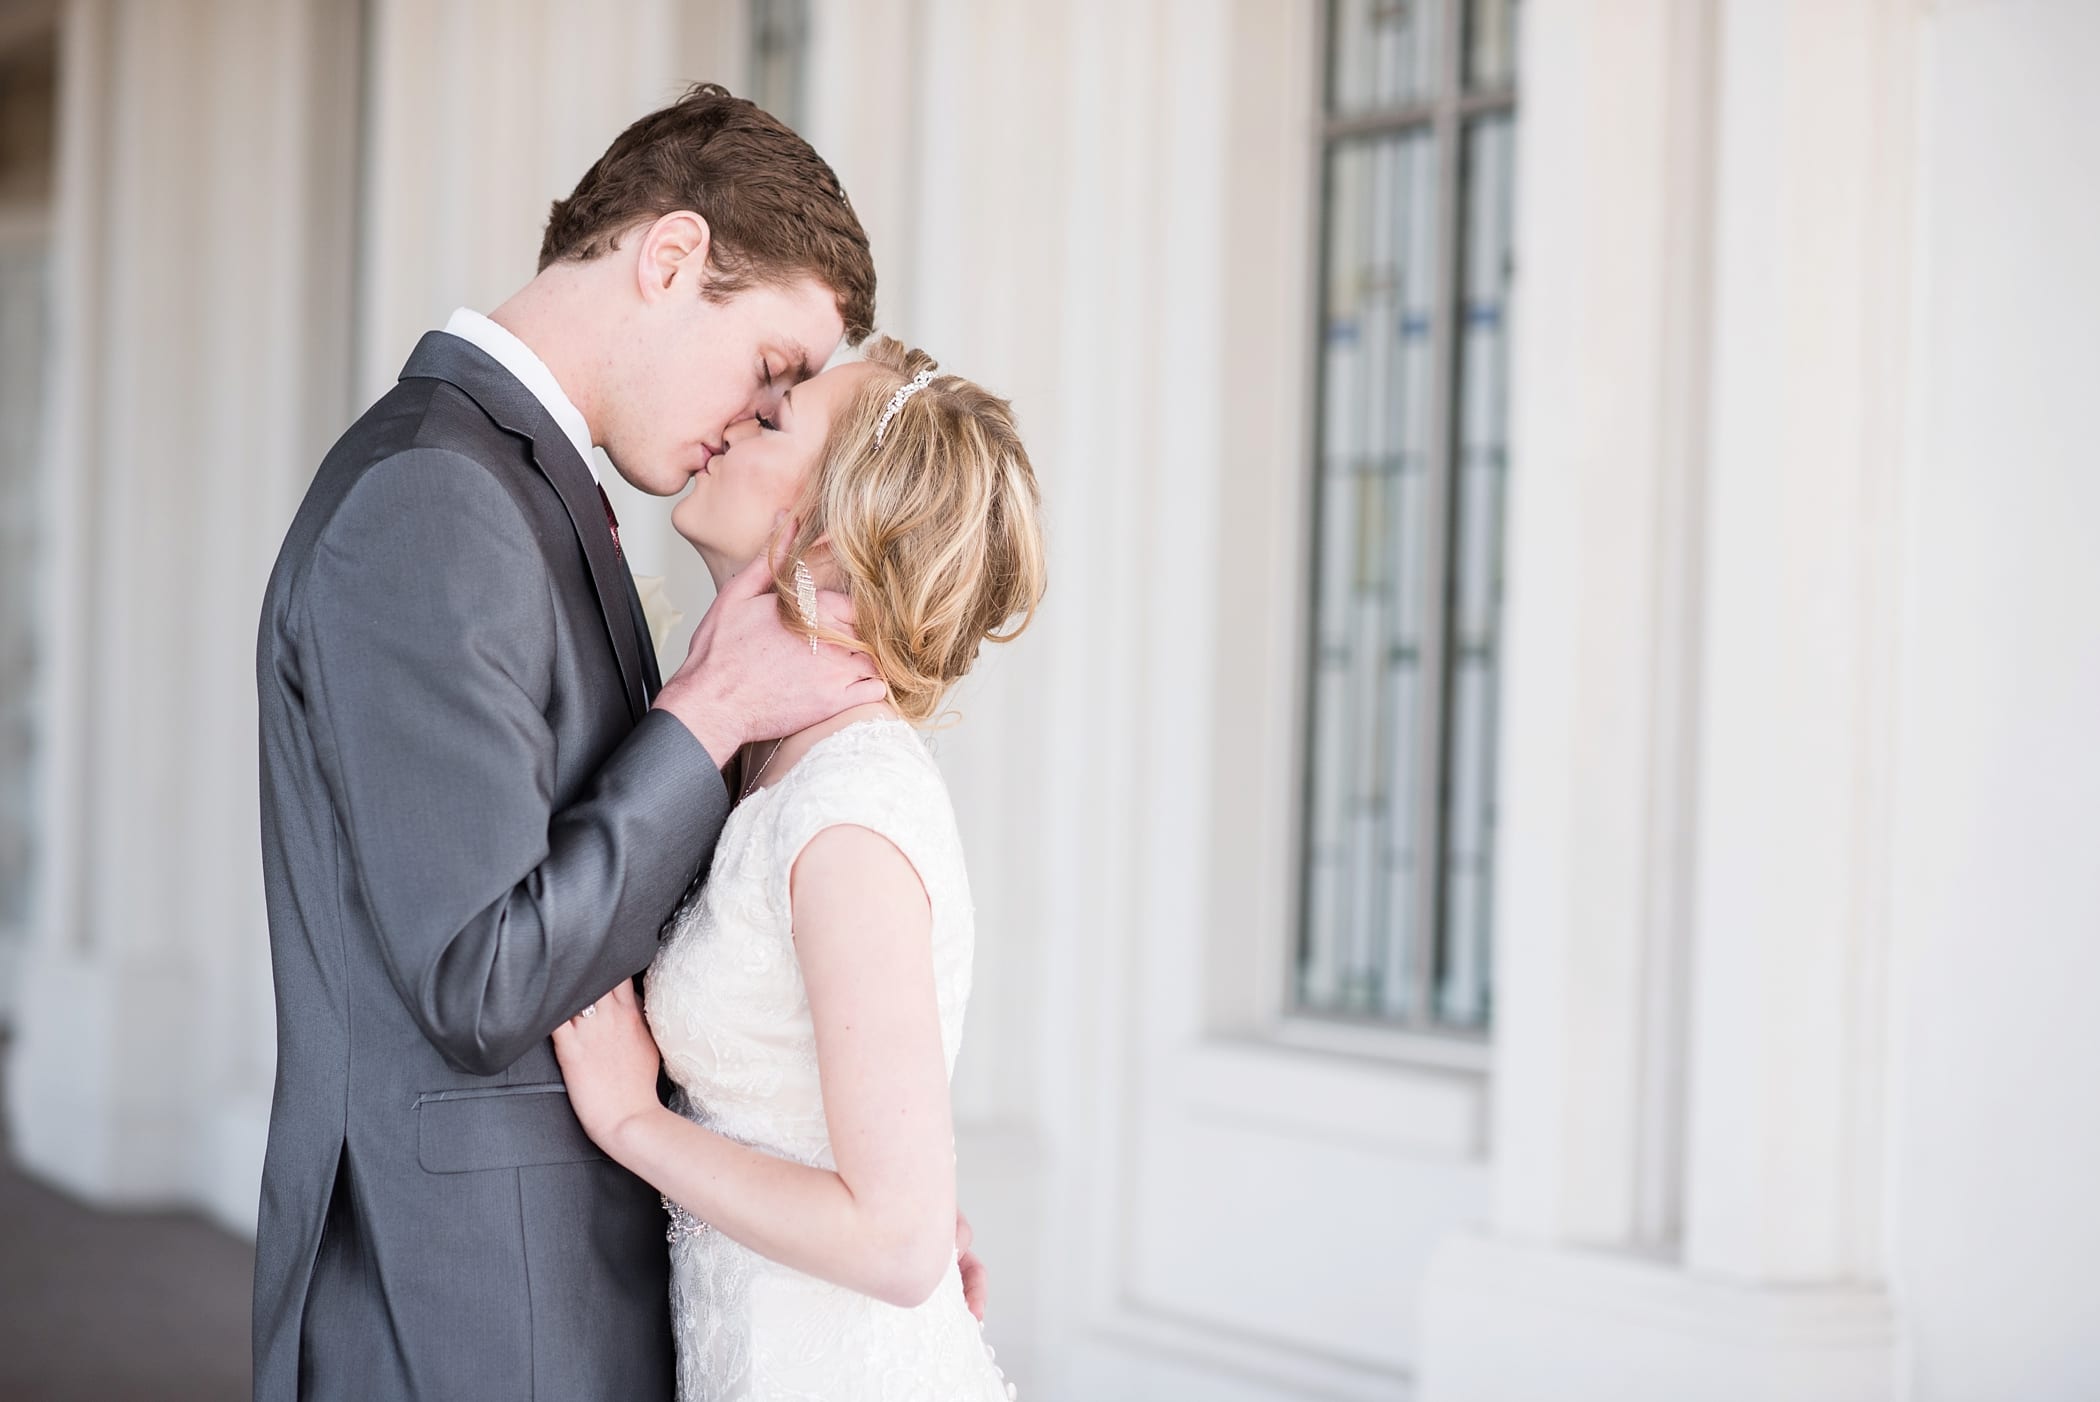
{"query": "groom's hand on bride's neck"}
[(747, 677)]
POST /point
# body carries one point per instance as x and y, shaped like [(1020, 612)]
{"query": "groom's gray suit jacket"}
[(472, 826)]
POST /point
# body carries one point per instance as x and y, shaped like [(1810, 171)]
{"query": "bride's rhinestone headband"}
[(904, 392)]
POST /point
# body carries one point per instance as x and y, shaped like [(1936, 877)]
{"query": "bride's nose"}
[(739, 431)]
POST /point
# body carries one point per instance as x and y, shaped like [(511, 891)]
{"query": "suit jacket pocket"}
[(467, 1131)]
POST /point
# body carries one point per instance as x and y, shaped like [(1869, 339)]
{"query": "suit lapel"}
[(652, 679), (615, 586), (512, 406)]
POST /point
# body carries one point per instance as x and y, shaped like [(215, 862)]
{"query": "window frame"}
[(1415, 1032)]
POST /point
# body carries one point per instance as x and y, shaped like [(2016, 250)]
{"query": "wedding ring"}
[(591, 1011)]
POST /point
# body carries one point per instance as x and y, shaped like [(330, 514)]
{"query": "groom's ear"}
[(671, 250)]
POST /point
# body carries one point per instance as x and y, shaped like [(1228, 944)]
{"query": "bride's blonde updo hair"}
[(936, 531)]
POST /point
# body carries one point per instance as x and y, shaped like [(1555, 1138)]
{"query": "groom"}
[(479, 805)]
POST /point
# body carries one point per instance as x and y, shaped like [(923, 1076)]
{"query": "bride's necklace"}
[(752, 787)]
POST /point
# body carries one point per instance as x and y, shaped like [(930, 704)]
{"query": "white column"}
[(1811, 346), (200, 314), (1702, 616), (1603, 548)]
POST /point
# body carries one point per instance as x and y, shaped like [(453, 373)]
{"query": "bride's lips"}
[(707, 455)]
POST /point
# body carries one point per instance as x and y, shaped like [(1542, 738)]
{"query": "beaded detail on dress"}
[(726, 1002), (683, 1223)]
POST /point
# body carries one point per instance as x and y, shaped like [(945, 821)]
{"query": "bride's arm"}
[(884, 1223)]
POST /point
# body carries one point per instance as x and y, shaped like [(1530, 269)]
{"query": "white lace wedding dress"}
[(726, 1002)]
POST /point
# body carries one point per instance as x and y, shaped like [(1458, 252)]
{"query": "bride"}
[(808, 998)]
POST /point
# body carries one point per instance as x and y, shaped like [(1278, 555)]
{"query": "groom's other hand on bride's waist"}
[(747, 676)]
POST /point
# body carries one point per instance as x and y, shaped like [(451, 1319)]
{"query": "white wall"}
[(1996, 887)]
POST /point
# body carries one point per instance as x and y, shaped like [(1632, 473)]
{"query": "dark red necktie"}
[(612, 523)]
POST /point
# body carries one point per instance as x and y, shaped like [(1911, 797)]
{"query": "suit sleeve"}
[(426, 642)]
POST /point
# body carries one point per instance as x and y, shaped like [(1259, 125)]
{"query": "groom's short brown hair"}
[(774, 209)]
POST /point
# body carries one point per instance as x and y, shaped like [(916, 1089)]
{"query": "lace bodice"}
[(727, 1005)]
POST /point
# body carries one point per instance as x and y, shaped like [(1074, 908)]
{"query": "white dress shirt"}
[(532, 372)]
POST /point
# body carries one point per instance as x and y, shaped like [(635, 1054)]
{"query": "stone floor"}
[(117, 1307)]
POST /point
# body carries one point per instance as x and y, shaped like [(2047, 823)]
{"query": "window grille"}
[(1417, 130)]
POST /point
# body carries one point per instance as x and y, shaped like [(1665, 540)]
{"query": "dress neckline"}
[(796, 768)]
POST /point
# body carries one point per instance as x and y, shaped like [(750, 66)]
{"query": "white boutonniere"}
[(662, 615)]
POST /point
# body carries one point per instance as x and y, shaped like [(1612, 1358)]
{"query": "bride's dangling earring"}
[(806, 600)]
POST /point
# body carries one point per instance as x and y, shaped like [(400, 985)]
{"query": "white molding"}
[(1517, 1323), (1401, 1048), (1398, 1108), (1188, 1358)]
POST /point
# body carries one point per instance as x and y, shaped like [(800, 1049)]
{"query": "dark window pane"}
[(1372, 597), (1491, 43)]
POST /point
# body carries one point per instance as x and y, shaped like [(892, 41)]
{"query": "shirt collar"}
[(530, 371)]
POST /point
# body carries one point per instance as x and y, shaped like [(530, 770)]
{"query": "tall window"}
[(780, 57), (1417, 127)]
